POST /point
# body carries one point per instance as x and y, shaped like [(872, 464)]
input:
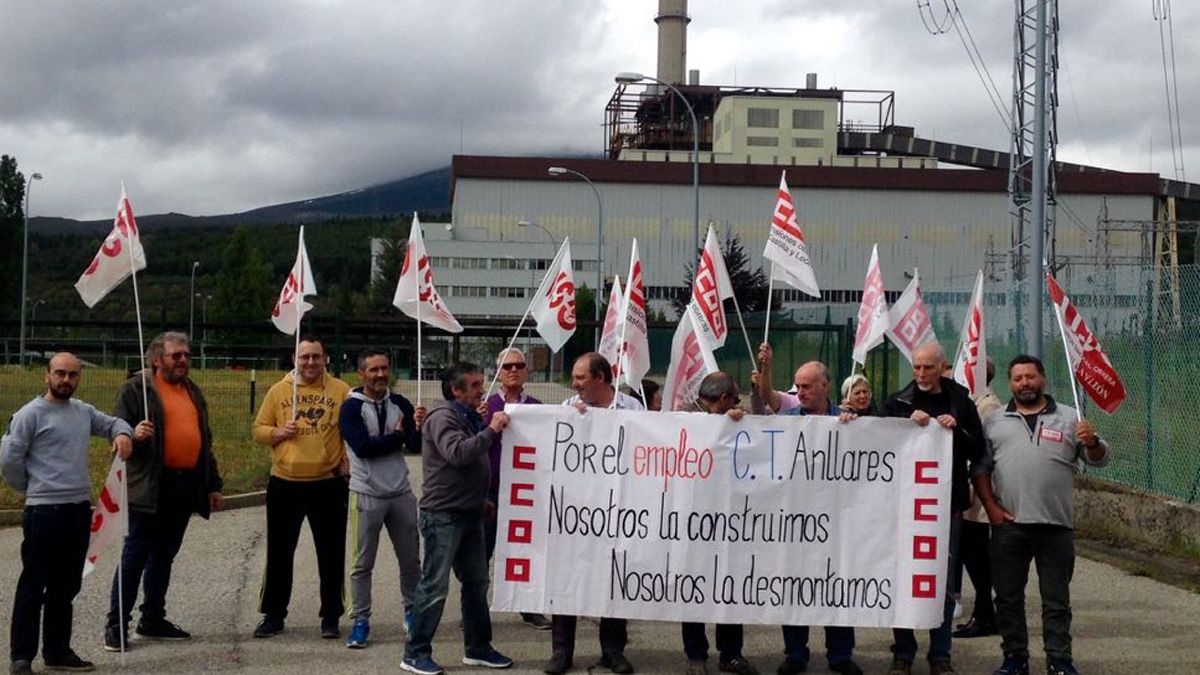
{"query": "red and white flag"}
[(970, 363), (786, 248), (635, 338), (710, 289), (872, 312), (416, 295), (112, 264), (110, 519), (909, 321), (610, 336), (1086, 357), (553, 306), (291, 307), (691, 361)]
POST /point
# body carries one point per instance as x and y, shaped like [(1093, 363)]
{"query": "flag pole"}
[(418, 344), (123, 500), (1067, 355), (511, 342), (742, 323), (770, 292), (296, 360)]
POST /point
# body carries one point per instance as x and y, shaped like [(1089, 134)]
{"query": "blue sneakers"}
[(358, 634), (493, 659), (1013, 666), (423, 665), (1061, 668)]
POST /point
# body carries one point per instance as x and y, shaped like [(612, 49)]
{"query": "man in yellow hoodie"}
[(308, 480)]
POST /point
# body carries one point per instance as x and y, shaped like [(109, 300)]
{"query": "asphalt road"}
[(1123, 623)]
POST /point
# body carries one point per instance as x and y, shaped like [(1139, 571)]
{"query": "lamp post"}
[(560, 171), (25, 268), (203, 318), (634, 78), (192, 303)]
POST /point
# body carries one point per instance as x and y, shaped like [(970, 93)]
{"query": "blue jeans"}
[(839, 643), (905, 639), (52, 555), (150, 549), (452, 541)]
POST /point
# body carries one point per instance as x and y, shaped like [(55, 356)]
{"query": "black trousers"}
[(973, 549), (730, 637), (1052, 549), (613, 635), (323, 503), (52, 555)]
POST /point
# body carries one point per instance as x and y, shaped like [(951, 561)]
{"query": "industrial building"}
[(858, 178)]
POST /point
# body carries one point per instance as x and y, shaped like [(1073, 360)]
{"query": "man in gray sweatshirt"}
[(454, 455), (378, 425), (44, 454)]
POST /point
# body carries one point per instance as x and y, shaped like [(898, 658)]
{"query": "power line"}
[(953, 17), (1161, 9)]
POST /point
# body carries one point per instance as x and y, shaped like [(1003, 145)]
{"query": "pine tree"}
[(12, 220)]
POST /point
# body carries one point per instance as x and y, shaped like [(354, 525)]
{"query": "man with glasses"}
[(513, 373), (171, 474), (44, 455)]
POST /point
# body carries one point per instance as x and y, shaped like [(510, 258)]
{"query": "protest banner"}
[(695, 517)]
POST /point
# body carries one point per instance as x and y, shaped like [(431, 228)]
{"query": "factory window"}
[(508, 292), (439, 261), (808, 142), (662, 292), (469, 263), (808, 119), (539, 263), (584, 265), (762, 141), (507, 264), (466, 291), (763, 118)]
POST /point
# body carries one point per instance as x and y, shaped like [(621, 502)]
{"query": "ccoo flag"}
[(1089, 364), (416, 295), (872, 312), (970, 363), (610, 336), (909, 321), (553, 306), (291, 307), (635, 338), (119, 256), (786, 248), (109, 518), (691, 361), (710, 289)]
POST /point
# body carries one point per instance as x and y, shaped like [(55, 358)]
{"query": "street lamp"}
[(192, 303), (560, 171), (634, 78), (204, 318), (25, 268)]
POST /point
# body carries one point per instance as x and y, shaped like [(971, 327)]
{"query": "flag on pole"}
[(1085, 356), (872, 312), (635, 339), (970, 362), (691, 361), (416, 295), (553, 306), (909, 321), (786, 247), (610, 336), (109, 518), (112, 264), (291, 307), (710, 289)]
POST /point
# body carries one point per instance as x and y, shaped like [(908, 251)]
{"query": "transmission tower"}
[(1032, 180)]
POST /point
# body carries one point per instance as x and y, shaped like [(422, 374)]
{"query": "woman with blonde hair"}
[(856, 395)]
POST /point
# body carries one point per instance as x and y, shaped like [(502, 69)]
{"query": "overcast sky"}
[(219, 106)]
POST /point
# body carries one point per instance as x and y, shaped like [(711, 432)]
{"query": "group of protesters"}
[(339, 451)]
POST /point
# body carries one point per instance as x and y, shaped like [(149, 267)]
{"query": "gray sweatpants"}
[(368, 516)]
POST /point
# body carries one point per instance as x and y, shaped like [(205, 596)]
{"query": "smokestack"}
[(694, 76), (672, 23), (810, 81)]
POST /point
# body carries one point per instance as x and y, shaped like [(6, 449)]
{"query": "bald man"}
[(44, 455), (933, 398)]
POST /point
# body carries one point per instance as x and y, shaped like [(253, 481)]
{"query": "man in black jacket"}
[(931, 397), (171, 474)]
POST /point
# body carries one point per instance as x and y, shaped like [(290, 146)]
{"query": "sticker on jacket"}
[(1052, 435)]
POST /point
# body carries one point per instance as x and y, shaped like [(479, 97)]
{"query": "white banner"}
[(694, 517)]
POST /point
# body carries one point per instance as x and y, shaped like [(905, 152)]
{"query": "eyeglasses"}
[(520, 365), (177, 356)]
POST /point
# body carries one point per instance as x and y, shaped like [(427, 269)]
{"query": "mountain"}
[(429, 191)]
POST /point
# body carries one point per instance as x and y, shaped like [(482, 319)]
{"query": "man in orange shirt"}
[(171, 474)]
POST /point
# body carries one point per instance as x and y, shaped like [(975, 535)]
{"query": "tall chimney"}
[(672, 23)]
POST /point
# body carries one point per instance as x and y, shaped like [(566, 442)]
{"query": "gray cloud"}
[(219, 106)]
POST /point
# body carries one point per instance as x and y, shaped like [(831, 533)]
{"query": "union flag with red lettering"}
[(970, 362), (291, 307), (691, 361), (710, 289), (786, 247), (1091, 367), (416, 295), (553, 306), (119, 256), (110, 520)]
